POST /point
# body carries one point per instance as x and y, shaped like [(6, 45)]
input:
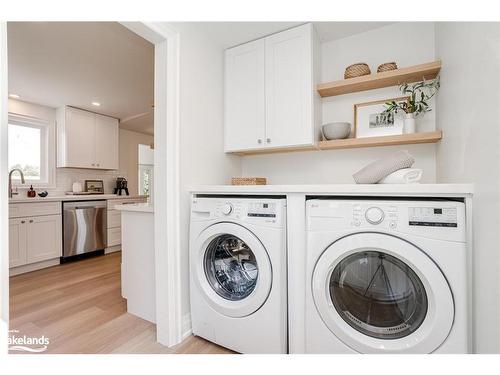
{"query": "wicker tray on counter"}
[(248, 181)]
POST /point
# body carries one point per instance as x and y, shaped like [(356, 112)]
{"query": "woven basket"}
[(387, 67), (248, 181), (357, 70)]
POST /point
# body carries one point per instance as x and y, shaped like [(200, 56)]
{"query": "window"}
[(146, 169), (146, 179), (31, 149)]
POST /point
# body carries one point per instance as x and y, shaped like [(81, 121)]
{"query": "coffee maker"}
[(121, 185)]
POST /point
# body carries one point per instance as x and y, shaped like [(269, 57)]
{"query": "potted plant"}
[(417, 104)]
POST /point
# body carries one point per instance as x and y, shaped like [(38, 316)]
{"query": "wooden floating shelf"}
[(379, 80), (338, 144), (389, 140)]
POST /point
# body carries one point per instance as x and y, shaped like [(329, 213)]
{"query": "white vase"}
[(409, 126)]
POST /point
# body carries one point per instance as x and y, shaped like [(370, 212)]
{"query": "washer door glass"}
[(378, 295), (230, 267)]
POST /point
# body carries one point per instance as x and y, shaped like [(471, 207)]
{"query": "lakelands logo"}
[(27, 343)]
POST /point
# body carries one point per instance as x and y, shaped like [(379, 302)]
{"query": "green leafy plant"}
[(419, 95)]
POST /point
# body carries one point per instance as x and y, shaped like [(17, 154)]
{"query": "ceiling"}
[(229, 34), (77, 63)]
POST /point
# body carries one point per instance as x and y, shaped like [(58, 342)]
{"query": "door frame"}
[(167, 183), (166, 41)]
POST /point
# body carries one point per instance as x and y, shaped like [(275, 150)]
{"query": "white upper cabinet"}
[(244, 110), (289, 88), (106, 142), (86, 139), (270, 96)]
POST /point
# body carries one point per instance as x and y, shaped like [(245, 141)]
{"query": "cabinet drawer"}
[(113, 202), (114, 218), (34, 209), (114, 236)]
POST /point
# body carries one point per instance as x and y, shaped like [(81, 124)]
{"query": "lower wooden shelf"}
[(389, 140)]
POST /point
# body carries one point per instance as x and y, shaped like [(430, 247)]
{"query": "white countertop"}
[(450, 190), (60, 198), (135, 207)]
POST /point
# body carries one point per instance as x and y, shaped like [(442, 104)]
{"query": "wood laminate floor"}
[(79, 307)]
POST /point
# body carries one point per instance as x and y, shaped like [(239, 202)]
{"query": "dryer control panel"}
[(434, 219), (433, 216)]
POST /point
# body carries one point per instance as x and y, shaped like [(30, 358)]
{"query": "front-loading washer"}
[(237, 261), (386, 276)]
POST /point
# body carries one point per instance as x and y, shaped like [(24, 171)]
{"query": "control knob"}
[(227, 208), (374, 215)]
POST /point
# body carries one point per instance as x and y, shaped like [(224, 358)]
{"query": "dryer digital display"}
[(432, 217)]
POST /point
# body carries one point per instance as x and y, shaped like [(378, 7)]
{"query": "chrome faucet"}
[(11, 193)]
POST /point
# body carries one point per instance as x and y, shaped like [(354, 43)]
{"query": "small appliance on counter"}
[(121, 185)]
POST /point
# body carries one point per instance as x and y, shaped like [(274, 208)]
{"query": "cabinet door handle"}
[(98, 164), (22, 222), (93, 164), (268, 140), (259, 141), (31, 221)]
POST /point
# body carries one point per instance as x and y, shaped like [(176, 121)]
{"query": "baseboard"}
[(33, 266), (186, 326), (112, 249)]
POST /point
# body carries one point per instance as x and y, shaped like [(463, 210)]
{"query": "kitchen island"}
[(138, 259)]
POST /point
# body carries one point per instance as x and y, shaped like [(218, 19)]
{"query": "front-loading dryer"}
[(386, 276), (237, 257)]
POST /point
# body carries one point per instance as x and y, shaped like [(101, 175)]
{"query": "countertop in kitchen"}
[(61, 198), (428, 190), (136, 207)]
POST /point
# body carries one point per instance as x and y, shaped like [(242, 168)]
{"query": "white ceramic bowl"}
[(336, 130)]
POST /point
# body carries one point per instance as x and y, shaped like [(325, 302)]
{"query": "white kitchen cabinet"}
[(17, 242), (34, 239), (86, 139), (114, 221), (270, 92), (106, 143), (43, 238), (244, 110)]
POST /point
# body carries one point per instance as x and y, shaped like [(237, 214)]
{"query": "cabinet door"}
[(44, 238), (244, 117), (80, 139), (17, 242), (289, 88), (106, 142)]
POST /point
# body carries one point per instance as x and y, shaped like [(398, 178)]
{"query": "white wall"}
[(202, 160), (469, 116), (405, 43), (128, 160)]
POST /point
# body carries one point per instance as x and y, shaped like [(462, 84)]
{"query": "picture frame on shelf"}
[(370, 121)]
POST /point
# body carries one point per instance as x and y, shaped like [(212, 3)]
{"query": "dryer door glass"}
[(230, 267), (378, 295)]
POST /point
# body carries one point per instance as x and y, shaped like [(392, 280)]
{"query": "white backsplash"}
[(66, 176)]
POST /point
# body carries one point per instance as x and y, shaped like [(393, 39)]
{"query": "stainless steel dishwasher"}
[(84, 228)]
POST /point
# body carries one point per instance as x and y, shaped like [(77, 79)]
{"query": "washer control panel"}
[(261, 209), (374, 215), (433, 216), (265, 211)]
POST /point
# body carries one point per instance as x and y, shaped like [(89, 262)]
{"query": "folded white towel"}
[(403, 176)]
